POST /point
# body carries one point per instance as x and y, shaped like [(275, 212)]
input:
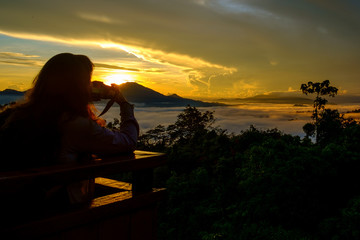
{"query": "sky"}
[(195, 48)]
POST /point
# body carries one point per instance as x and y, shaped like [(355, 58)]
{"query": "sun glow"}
[(118, 78)]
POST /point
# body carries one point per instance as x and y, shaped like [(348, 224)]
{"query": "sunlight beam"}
[(118, 78)]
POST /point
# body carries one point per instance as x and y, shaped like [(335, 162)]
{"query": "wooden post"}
[(129, 212), (142, 181)]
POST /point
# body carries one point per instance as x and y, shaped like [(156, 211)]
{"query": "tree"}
[(320, 89), (331, 124), (309, 129), (190, 122), (155, 139)]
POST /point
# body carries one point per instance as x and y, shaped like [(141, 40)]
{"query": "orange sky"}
[(195, 48)]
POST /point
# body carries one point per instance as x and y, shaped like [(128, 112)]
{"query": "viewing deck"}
[(120, 210)]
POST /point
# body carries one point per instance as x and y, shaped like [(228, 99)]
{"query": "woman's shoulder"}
[(81, 125)]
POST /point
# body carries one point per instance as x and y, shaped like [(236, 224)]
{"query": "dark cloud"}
[(19, 59), (265, 40), (109, 66), (102, 65), (223, 32)]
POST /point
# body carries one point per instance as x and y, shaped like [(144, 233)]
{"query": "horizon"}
[(288, 117), (289, 97), (196, 48)]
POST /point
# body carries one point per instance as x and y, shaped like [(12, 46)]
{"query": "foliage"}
[(189, 123), (320, 89), (258, 184), (330, 125)]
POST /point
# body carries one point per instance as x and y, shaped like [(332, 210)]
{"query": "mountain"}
[(10, 95), (137, 93), (134, 93), (174, 96), (277, 99), (274, 97), (11, 92)]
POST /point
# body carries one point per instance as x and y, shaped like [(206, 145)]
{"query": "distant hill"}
[(11, 92), (277, 99), (274, 97), (10, 95), (144, 96), (137, 93), (296, 98), (133, 92)]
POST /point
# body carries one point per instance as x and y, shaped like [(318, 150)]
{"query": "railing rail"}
[(130, 206)]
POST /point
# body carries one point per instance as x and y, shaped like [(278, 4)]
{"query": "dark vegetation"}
[(260, 184)]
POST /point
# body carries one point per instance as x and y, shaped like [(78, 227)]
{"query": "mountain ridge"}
[(9, 91), (144, 96), (138, 94)]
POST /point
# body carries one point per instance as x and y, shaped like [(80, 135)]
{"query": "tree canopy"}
[(259, 184), (319, 89)]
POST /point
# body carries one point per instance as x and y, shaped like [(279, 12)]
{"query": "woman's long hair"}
[(63, 86), (61, 92)]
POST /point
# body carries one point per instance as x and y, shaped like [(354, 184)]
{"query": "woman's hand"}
[(119, 98), (102, 91), (116, 94)]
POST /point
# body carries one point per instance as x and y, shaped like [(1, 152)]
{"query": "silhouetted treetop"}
[(321, 89)]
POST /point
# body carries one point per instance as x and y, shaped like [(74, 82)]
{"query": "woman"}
[(56, 124)]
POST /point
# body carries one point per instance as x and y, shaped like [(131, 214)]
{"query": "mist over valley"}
[(286, 111)]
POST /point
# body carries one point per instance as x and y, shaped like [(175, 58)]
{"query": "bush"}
[(258, 184)]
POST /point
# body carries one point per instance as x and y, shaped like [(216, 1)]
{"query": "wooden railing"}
[(125, 211)]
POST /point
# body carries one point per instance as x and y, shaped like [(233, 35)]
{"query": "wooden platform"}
[(127, 211)]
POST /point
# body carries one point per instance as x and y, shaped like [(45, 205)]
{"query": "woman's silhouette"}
[(56, 124)]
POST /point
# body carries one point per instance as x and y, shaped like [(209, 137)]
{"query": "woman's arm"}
[(83, 135)]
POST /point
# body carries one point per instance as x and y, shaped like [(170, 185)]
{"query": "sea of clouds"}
[(288, 118), (234, 119)]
